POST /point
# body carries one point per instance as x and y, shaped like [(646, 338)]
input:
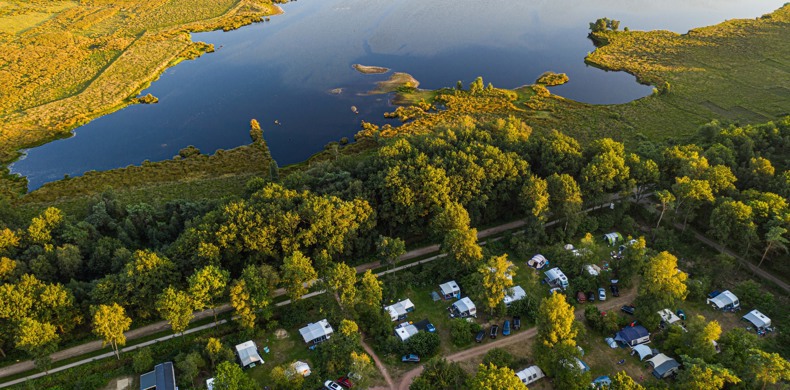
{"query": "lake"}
[(283, 70)]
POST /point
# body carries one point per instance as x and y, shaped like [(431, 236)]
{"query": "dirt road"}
[(480, 350)]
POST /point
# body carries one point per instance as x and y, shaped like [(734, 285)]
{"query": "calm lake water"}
[(283, 69)]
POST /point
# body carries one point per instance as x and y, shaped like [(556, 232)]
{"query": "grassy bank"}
[(99, 56)]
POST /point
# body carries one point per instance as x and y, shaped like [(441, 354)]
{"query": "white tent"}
[(643, 351), (613, 238), (316, 332), (450, 290), (538, 261), (248, 354), (301, 368), (759, 320), (725, 300), (210, 383), (406, 330), (663, 365), (399, 310), (465, 307), (592, 269), (530, 374), (668, 316), (516, 294)]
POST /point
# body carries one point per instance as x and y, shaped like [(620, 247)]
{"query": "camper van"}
[(555, 278)]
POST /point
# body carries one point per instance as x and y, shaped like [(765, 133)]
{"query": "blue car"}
[(410, 358), (430, 328), (506, 328)]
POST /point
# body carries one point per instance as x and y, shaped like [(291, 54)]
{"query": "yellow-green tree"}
[(175, 306), (497, 279), (535, 199), (109, 323), (768, 368), (213, 349), (462, 246), (555, 321), (240, 300), (297, 275), (40, 230), (370, 290), (8, 240), (361, 364), (666, 200), (207, 287), (492, 377), (285, 377), (663, 281), (256, 133), (349, 328), (621, 381), (341, 280), (39, 339), (698, 374)]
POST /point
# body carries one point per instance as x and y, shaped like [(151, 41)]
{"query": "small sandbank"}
[(397, 80), (364, 69)]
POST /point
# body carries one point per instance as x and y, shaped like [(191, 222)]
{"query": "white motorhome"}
[(555, 278)]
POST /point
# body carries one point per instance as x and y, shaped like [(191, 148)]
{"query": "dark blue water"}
[(283, 69)]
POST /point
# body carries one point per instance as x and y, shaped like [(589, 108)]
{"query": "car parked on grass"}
[(615, 290), (332, 385), (345, 381), (494, 331), (480, 336), (601, 294), (430, 328), (628, 309), (410, 358), (516, 322), (506, 328), (580, 297), (590, 296)]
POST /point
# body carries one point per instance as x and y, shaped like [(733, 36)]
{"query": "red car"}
[(345, 382)]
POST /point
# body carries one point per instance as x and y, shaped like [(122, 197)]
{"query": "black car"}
[(494, 331), (590, 296), (480, 336), (615, 290), (516, 322), (628, 309)]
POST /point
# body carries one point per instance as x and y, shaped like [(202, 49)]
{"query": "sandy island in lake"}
[(370, 69), (397, 80)]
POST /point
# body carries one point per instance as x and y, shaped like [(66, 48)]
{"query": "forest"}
[(61, 272)]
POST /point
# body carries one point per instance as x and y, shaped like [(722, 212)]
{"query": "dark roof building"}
[(163, 377)]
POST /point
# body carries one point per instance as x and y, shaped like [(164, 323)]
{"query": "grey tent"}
[(317, 332), (248, 354), (643, 351), (663, 366)]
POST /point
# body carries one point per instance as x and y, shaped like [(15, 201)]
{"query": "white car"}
[(601, 294), (332, 385)]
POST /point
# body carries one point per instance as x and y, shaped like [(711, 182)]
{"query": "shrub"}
[(461, 332), (551, 78), (498, 357), (142, 361), (423, 344)]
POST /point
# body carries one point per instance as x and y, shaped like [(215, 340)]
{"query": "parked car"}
[(601, 294), (410, 358), (615, 290), (590, 296), (332, 385), (629, 309), (430, 328), (516, 322), (345, 381), (506, 328), (494, 331), (580, 297), (480, 336), (555, 290)]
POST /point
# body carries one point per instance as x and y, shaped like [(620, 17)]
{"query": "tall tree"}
[(462, 246), (663, 284), (175, 306), (645, 174), (207, 287), (370, 290), (535, 200), (297, 275), (242, 304), (732, 221), (144, 278), (256, 133), (768, 368), (497, 279), (341, 280), (492, 377), (666, 200), (389, 249), (691, 194), (229, 376), (109, 323), (555, 321), (40, 230), (607, 170), (38, 339), (700, 375), (439, 374), (621, 381), (774, 238), (565, 199)]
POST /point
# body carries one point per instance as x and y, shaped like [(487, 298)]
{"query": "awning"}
[(643, 351), (248, 353), (759, 320), (659, 360), (724, 299)]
